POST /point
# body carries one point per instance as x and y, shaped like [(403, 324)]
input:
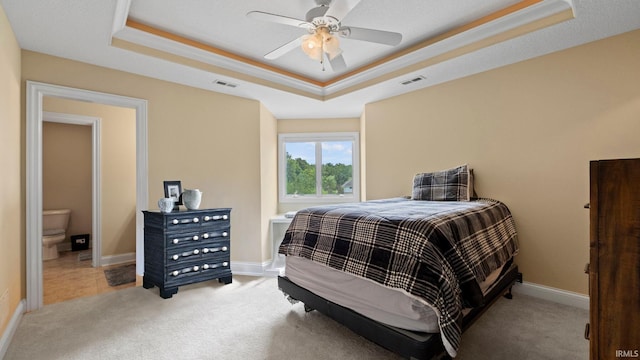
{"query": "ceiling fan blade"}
[(264, 16), (338, 9), (284, 49), (337, 63), (371, 35)]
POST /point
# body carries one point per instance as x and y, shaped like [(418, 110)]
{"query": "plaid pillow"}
[(448, 185)]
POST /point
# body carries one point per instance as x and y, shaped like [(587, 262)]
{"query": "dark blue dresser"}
[(186, 247)]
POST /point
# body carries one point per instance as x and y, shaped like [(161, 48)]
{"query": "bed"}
[(407, 273)]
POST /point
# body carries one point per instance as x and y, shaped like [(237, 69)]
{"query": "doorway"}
[(35, 93), (96, 222)]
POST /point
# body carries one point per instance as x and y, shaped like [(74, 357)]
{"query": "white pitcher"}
[(191, 199)]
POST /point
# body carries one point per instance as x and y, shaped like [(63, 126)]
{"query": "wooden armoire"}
[(614, 268)]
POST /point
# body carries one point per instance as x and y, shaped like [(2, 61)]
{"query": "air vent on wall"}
[(224, 83), (412, 80)]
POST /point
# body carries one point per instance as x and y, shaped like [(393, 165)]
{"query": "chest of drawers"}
[(614, 262), (186, 247)]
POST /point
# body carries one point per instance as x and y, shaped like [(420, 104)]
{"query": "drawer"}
[(196, 237), (178, 221), (179, 272), (197, 251)]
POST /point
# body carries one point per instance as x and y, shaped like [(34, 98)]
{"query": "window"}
[(315, 167)]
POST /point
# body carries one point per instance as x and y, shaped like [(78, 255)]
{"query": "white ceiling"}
[(225, 25), (90, 31)]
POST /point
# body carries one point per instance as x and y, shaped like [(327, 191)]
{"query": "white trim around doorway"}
[(34, 117)]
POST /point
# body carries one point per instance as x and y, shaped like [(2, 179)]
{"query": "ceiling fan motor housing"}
[(317, 18)]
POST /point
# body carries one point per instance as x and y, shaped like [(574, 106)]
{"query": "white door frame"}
[(35, 93), (96, 218)]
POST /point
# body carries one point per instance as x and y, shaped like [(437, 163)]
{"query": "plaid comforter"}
[(437, 250)]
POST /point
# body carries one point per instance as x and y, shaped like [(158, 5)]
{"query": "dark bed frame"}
[(408, 344)]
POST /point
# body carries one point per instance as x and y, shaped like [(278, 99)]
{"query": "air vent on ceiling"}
[(224, 83), (412, 80)]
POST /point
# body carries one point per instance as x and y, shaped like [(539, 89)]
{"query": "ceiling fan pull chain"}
[(322, 53)]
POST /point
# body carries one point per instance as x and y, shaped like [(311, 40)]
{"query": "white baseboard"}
[(118, 259), (6, 338), (249, 268), (552, 294)]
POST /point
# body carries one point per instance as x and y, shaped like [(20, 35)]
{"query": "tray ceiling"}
[(214, 45)]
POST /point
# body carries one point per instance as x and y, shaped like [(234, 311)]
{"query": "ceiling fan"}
[(323, 23)]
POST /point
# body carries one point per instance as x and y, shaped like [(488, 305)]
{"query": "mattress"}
[(390, 306)]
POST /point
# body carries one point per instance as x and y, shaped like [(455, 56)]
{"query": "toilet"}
[(54, 227)]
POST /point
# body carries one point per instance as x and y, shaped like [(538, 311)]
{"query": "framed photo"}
[(173, 189)]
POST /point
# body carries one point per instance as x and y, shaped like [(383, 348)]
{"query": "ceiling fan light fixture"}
[(312, 46), (323, 23), (331, 45), (319, 42)]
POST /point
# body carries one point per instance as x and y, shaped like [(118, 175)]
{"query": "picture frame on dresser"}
[(173, 190)]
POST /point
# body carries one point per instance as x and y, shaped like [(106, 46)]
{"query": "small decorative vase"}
[(165, 205), (191, 199)]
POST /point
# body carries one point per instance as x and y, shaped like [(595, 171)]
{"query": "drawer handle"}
[(195, 237), (207, 235), (587, 331), (189, 253), (186, 270), (175, 241), (185, 221), (213, 266), (185, 254), (216, 249), (216, 217)]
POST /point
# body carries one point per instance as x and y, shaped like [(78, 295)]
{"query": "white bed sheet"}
[(389, 306)]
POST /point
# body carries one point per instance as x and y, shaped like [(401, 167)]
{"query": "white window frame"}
[(318, 197)]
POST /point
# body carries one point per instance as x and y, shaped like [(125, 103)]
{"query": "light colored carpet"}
[(251, 319)]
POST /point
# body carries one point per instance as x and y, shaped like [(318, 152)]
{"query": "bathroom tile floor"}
[(68, 277)]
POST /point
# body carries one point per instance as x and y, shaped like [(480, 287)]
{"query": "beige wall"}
[(363, 156), (268, 175), (118, 171), (529, 131), (286, 126), (12, 220), (66, 174), (207, 140)]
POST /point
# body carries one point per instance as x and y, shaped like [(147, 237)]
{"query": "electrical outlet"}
[(4, 308)]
